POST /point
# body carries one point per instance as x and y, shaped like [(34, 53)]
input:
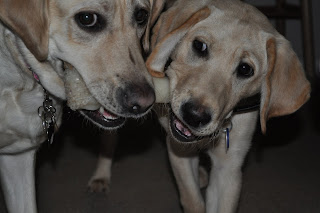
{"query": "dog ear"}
[(162, 51), (156, 8), (29, 20), (285, 88)]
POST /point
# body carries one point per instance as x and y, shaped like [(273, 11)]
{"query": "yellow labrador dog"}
[(222, 56), (85, 52)]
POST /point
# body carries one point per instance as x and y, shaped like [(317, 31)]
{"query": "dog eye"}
[(200, 48), (90, 21), (141, 16), (244, 70)]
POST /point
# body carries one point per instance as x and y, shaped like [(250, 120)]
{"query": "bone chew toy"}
[(79, 97), (77, 93), (162, 89)]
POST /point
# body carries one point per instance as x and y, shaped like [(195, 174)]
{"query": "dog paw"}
[(97, 185)]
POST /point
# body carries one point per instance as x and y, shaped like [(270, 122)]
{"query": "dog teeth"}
[(107, 115), (184, 130)]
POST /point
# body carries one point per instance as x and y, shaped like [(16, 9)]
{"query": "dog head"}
[(220, 59), (99, 41)]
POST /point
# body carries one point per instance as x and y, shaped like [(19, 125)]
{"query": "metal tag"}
[(47, 113)]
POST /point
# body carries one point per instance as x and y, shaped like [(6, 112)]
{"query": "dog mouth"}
[(181, 132), (104, 118), (80, 98)]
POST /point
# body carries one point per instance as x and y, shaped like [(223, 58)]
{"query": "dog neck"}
[(47, 111)]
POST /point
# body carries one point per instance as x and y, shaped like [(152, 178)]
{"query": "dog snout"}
[(195, 114), (136, 98)]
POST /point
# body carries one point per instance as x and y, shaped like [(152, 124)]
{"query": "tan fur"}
[(234, 33), (97, 70), (30, 23), (285, 77), (200, 15)]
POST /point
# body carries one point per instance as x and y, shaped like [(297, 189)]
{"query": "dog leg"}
[(100, 180), (186, 172), (17, 179), (225, 179)]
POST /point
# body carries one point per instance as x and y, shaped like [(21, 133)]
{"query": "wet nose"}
[(195, 115), (137, 98)]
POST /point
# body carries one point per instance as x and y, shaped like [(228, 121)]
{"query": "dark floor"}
[(281, 174)]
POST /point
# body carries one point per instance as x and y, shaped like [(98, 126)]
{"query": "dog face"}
[(93, 48), (232, 54)]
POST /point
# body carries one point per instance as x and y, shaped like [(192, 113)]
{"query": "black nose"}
[(136, 98), (195, 114)]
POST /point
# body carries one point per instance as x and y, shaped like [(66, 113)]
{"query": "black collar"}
[(248, 104)]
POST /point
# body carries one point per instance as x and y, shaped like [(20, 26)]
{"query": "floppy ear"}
[(29, 20), (156, 8), (162, 51), (285, 88)]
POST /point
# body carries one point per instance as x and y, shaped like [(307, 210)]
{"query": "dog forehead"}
[(230, 37), (239, 14), (71, 6)]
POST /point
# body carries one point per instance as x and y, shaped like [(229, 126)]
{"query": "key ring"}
[(47, 114)]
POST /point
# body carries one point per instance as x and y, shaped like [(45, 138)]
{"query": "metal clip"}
[(227, 132)]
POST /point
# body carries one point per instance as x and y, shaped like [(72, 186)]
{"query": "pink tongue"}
[(182, 128), (108, 115)]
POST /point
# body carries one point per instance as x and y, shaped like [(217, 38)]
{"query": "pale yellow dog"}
[(225, 66), (218, 54), (85, 52)]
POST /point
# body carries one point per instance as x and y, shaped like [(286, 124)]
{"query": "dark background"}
[(281, 172)]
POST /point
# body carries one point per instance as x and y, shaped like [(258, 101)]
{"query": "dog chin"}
[(181, 133), (103, 118)]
